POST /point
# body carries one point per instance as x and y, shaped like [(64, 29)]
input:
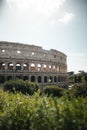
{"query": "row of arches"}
[(39, 79), (32, 67)]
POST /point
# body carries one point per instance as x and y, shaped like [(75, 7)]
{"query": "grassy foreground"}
[(24, 112)]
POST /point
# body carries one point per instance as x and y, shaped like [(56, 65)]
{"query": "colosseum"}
[(33, 63)]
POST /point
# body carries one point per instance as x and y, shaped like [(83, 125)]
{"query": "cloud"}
[(18, 4), (66, 18), (45, 7)]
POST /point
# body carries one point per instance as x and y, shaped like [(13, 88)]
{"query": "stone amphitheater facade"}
[(33, 63)]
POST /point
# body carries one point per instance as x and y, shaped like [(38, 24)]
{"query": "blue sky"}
[(52, 24)]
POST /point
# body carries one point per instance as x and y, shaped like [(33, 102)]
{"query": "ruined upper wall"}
[(25, 51)]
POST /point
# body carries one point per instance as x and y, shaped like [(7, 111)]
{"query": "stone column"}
[(29, 66), (53, 79), (29, 78), (36, 78), (14, 66), (6, 66), (22, 66), (42, 80)]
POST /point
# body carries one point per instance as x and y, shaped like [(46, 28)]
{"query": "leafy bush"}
[(31, 87), (19, 85), (54, 91), (79, 90), (24, 112)]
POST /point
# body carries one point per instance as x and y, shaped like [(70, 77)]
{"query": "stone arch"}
[(10, 66), (54, 67), (32, 66), (9, 78), (25, 66), (55, 79), (2, 79), (2, 66), (18, 66), (25, 78), (38, 67), (50, 67), (62, 79), (50, 79), (18, 77), (65, 79), (44, 67), (33, 78), (57, 68), (45, 79), (39, 79), (59, 79)]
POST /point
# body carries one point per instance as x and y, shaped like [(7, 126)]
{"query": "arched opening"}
[(25, 66), (39, 79), (44, 67), (50, 67), (32, 78), (45, 79), (3, 50), (18, 66), (54, 67), (57, 68), (9, 78), (2, 79), (10, 66), (32, 67), (59, 79), (65, 79), (39, 67), (17, 77), (25, 78), (55, 79), (2, 66), (18, 52), (33, 53), (62, 79), (50, 79)]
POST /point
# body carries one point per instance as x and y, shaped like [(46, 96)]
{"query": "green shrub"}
[(19, 85), (31, 87), (24, 112), (54, 91), (79, 90)]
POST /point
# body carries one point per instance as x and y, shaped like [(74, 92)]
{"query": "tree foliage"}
[(24, 112), (54, 91), (19, 85), (79, 90), (78, 78)]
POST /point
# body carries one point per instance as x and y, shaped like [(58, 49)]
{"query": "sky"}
[(52, 24)]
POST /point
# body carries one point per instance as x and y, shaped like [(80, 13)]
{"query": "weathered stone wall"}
[(27, 61)]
